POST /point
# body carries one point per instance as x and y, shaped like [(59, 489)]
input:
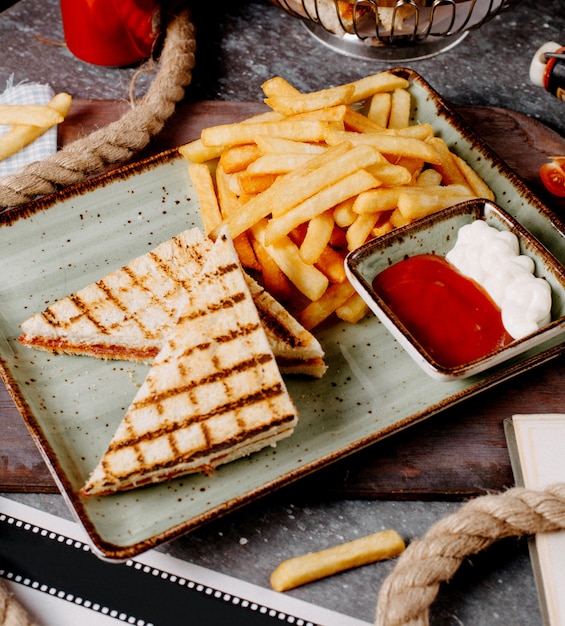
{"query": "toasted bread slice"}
[(213, 394), (124, 314)]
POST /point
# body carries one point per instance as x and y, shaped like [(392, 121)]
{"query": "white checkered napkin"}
[(27, 93)]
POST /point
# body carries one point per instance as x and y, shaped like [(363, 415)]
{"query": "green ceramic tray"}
[(72, 405)]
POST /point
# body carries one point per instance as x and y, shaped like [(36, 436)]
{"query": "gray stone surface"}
[(241, 44)]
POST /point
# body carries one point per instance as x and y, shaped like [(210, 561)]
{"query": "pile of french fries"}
[(316, 176), (30, 121)]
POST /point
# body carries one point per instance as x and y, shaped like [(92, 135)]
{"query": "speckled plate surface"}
[(72, 405)]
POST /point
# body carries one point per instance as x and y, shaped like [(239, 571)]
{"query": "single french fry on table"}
[(313, 566), (21, 135)]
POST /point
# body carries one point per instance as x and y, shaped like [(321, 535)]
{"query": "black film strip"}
[(131, 592)]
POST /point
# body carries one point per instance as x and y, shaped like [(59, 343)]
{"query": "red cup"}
[(110, 32)]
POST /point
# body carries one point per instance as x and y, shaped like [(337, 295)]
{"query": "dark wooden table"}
[(457, 454)]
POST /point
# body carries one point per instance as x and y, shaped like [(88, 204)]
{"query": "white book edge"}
[(536, 444)]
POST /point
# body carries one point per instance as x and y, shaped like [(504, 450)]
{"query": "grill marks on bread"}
[(152, 282), (125, 314), (213, 394)]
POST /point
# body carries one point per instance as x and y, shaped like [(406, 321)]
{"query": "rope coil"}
[(120, 140), (407, 593)]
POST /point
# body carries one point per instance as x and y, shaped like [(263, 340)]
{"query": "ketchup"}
[(449, 315)]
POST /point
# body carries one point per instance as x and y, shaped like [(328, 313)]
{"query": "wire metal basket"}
[(393, 30)]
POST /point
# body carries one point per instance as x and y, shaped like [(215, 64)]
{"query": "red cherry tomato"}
[(553, 176)]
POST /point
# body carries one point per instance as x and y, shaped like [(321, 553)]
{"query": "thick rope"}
[(120, 140), (12, 612), (408, 592)]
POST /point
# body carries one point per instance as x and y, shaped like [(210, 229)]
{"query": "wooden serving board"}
[(459, 453)]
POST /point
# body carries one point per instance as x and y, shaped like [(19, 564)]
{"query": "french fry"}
[(330, 263), (229, 204), (388, 144), (203, 182), (382, 228), (238, 158), (360, 123), (196, 152), (416, 131), (344, 215), (475, 182), (253, 184), (274, 281), (375, 83), (278, 86), (397, 220), (242, 133), (353, 310), (428, 177), (278, 163), (316, 565), (358, 233), (379, 108), (319, 310), (318, 235), (447, 167), (414, 202), (391, 174), (276, 145), (301, 103), (22, 135), (306, 278), (320, 202), (40, 115), (327, 114), (400, 109), (377, 200)]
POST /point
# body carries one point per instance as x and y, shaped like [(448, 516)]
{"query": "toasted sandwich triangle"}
[(213, 394), (124, 314)]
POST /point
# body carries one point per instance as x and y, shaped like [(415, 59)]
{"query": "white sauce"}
[(492, 258)]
